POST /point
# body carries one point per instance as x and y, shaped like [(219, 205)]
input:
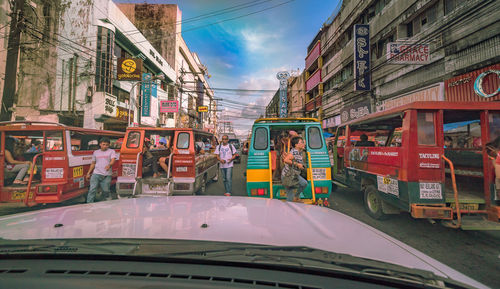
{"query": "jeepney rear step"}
[(478, 223), (155, 186)]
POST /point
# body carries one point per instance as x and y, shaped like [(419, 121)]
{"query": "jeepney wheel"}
[(373, 203), (203, 187)]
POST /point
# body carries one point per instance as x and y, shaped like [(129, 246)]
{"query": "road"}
[(476, 254)]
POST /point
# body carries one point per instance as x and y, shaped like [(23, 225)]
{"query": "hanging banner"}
[(283, 103), (362, 75), (146, 94)]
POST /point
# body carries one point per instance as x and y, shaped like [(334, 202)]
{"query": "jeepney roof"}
[(41, 125), (430, 105), (135, 128)]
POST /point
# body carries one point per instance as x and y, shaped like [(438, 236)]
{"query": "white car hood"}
[(228, 219)]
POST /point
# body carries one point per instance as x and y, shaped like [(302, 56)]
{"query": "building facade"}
[(161, 25), (444, 40), (272, 107), (296, 95), (67, 67)]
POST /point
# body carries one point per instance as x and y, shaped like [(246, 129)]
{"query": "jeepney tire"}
[(203, 188), (373, 203)]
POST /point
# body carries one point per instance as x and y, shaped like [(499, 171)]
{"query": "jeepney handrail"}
[(270, 177), (28, 189), (455, 191), (287, 119), (169, 164), (312, 177), (137, 164)]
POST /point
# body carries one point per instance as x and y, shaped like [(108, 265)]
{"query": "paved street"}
[(476, 254)]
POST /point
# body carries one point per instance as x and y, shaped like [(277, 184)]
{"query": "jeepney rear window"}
[(133, 139), (54, 141), (426, 128), (183, 140), (314, 137), (261, 139)]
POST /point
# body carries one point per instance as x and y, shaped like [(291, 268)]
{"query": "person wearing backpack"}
[(226, 153)]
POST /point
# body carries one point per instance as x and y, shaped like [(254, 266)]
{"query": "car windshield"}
[(364, 129)]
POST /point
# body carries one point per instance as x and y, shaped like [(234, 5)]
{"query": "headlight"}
[(54, 173), (128, 170)]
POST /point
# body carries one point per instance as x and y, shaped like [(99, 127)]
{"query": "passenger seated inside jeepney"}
[(364, 142), (15, 166), (164, 160), (149, 161)]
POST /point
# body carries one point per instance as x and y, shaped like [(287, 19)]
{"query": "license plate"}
[(18, 195), (469, 207), (181, 169)]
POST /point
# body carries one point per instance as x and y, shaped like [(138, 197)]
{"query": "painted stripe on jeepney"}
[(258, 175)]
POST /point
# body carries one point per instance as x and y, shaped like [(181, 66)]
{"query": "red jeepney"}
[(187, 154), (409, 168), (62, 158)]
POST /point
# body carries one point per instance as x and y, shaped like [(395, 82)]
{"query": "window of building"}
[(450, 5), (121, 94), (422, 21), (104, 64)]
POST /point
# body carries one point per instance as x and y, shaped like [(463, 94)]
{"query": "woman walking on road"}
[(294, 164)]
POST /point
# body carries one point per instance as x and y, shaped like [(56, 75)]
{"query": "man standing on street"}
[(102, 162), (226, 153)]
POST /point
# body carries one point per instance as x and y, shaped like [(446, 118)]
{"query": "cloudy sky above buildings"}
[(244, 43)]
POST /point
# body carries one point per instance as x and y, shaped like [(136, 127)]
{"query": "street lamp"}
[(137, 101)]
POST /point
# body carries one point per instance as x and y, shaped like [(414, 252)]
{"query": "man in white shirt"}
[(226, 153), (101, 166)]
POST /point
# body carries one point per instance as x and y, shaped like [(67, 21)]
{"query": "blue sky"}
[(247, 52)]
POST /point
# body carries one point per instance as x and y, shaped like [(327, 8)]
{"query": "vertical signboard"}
[(146, 94), (362, 75), (283, 78)]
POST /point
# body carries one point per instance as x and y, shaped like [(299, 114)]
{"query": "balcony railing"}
[(314, 80), (313, 55)]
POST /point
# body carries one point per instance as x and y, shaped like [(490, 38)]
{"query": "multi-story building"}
[(161, 25), (454, 38), (272, 107), (314, 78), (67, 66), (296, 95)]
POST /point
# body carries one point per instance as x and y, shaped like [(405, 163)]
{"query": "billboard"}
[(406, 53), (355, 111), (362, 75), (129, 69), (169, 106), (203, 108)]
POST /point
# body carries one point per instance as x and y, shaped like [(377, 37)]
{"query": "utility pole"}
[(9, 97)]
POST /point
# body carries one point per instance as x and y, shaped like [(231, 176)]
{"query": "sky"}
[(244, 52)]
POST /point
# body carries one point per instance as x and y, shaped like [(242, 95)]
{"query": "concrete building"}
[(68, 61), (272, 107), (314, 79), (459, 38), (296, 94), (161, 25)]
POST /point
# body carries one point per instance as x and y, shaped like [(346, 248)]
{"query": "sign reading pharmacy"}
[(129, 69), (362, 73), (407, 53)]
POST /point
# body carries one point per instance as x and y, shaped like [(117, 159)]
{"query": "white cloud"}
[(259, 41)]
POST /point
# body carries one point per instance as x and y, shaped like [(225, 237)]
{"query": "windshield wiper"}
[(306, 257)]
